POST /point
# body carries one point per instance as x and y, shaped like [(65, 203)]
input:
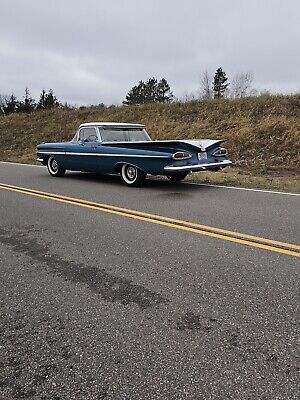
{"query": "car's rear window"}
[(124, 135), (114, 135)]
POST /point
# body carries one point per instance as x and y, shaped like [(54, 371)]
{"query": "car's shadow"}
[(150, 183)]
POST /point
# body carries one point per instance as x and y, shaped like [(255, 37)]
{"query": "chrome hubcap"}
[(54, 166), (131, 173)]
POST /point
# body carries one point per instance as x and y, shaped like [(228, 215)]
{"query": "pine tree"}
[(151, 91), (136, 95), (219, 83), (164, 94), (51, 100), (12, 105), (47, 100), (28, 104), (41, 103)]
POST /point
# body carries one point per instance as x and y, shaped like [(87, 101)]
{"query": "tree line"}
[(212, 86), (10, 104)]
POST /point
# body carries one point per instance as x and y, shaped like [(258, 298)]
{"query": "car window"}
[(138, 135), (88, 135), (113, 135), (124, 135)]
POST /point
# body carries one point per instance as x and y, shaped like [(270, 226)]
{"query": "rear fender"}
[(212, 149), (118, 166)]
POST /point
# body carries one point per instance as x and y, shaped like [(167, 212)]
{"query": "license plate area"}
[(202, 155)]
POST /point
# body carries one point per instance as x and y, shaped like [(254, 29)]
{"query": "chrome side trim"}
[(102, 155), (39, 159), (114, 155), (51, 152), (198, 167)]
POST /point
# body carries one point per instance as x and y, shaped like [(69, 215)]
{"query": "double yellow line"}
[(218, 233)]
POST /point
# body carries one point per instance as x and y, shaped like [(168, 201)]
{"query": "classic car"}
[(127, 149)]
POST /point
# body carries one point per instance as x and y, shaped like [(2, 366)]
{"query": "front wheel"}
[(177, 177), (54, 168), (131, 175)]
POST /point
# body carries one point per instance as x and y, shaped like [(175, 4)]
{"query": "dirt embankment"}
[(263, 134)]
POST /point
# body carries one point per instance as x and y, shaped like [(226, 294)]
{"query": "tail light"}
[(182, 155), (220, 152)]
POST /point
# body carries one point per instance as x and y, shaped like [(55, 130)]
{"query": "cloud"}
[(95, 51)]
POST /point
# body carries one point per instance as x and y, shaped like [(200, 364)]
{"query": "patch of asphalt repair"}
[(235, 341), (194, 323), (110, 287)]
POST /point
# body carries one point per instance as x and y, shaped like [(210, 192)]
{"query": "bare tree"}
[(188, 96), (205, 91), (3, 102), (241, 85)]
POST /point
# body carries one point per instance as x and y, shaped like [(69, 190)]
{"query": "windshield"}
[(124, 135)]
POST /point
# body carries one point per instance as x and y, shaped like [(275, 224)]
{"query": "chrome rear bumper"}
[(198, 167)]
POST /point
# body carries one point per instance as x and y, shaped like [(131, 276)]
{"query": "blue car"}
[(127, 149)]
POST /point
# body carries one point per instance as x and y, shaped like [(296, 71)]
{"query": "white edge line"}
[(242, 188), (188, 183), (16, 163)]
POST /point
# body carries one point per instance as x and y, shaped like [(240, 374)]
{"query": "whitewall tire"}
[(54, 168), (131, 175)]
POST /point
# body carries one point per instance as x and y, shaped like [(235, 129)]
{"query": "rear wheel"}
[(54, 168), (131, 175), (177, 177)]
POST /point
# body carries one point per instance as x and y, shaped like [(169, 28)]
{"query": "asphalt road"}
[(101, 306)]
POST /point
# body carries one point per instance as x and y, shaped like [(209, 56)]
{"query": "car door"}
[(108, 156), (81, 154)]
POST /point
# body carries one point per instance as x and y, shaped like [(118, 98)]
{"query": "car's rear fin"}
[(220, 152)]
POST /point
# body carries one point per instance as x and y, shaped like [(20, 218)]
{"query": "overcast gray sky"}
[(94, 51)]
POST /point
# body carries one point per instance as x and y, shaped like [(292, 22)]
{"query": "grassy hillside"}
[(263, 133)]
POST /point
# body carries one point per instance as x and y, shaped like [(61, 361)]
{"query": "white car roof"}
[(113, 124)]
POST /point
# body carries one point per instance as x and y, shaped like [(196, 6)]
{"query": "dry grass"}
[(263, 134), (289, 182)]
